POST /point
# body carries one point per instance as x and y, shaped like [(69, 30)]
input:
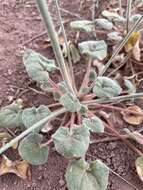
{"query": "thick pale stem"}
[(128, 14), (55, 42), (29, 130), (71, 73), (114, 99)]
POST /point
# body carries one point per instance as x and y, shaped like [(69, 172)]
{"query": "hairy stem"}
[(71, 73), (114, 99), (128, 14), (55, 42), (29, 130)]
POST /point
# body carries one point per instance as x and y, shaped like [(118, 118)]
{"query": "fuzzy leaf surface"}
[(30, 116), (106, 87), (10, 116), (31, 151), (94, 49), (73, 142), (37, 67), (82, 25), (71, 103), (102, 23), (81, 175), (94, 124)]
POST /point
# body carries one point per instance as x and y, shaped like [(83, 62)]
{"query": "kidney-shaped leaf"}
[(72, 142), (81, 175), (37, 66), (30, 116), (71, 103), (82, 25), (94, 124), (10, 116), (30, 149), (139, 167), (114, 36), (102, 23), (106, 87), (94, 49)]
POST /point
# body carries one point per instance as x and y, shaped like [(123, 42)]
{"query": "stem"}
[(111, 128), (120, 7), (128, 14), (85, 79), (32, 128), (71, 73), (121, 65), (117, 109), (114, 99), (55, 42), (122, 44)]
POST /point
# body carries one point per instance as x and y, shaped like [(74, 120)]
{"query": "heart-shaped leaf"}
[(11, 116), (71, 103), (106, 87), (82, 25), (73, 142), (139, 167), (102, 23), (30, 149), (114, 36), (81, 175), (94, 49), (37, 67), (94, 124), (30, 116)]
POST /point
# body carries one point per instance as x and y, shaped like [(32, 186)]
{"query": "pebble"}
[(61, 182)]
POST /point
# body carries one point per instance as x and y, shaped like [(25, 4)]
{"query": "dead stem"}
[(85, 79), (112, 129), (72, 120), (115, 108)]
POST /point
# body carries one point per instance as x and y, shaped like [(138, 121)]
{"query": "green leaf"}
[(110, 15), (82, 25), (139, 167), (10, 116), (73, 142), (106, 87), (129, 86), (94, 124), (120, 21), (37, 67), (135, 17), (92, 75), (94, 49), (114, 36), (102, 23), (81, 175), (30, 149), (71, 103), (30, 116)]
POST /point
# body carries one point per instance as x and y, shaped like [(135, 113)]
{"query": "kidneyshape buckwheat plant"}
[(71, 139)]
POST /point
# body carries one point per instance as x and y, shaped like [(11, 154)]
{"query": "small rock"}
[(61, 182), (112, 145)]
